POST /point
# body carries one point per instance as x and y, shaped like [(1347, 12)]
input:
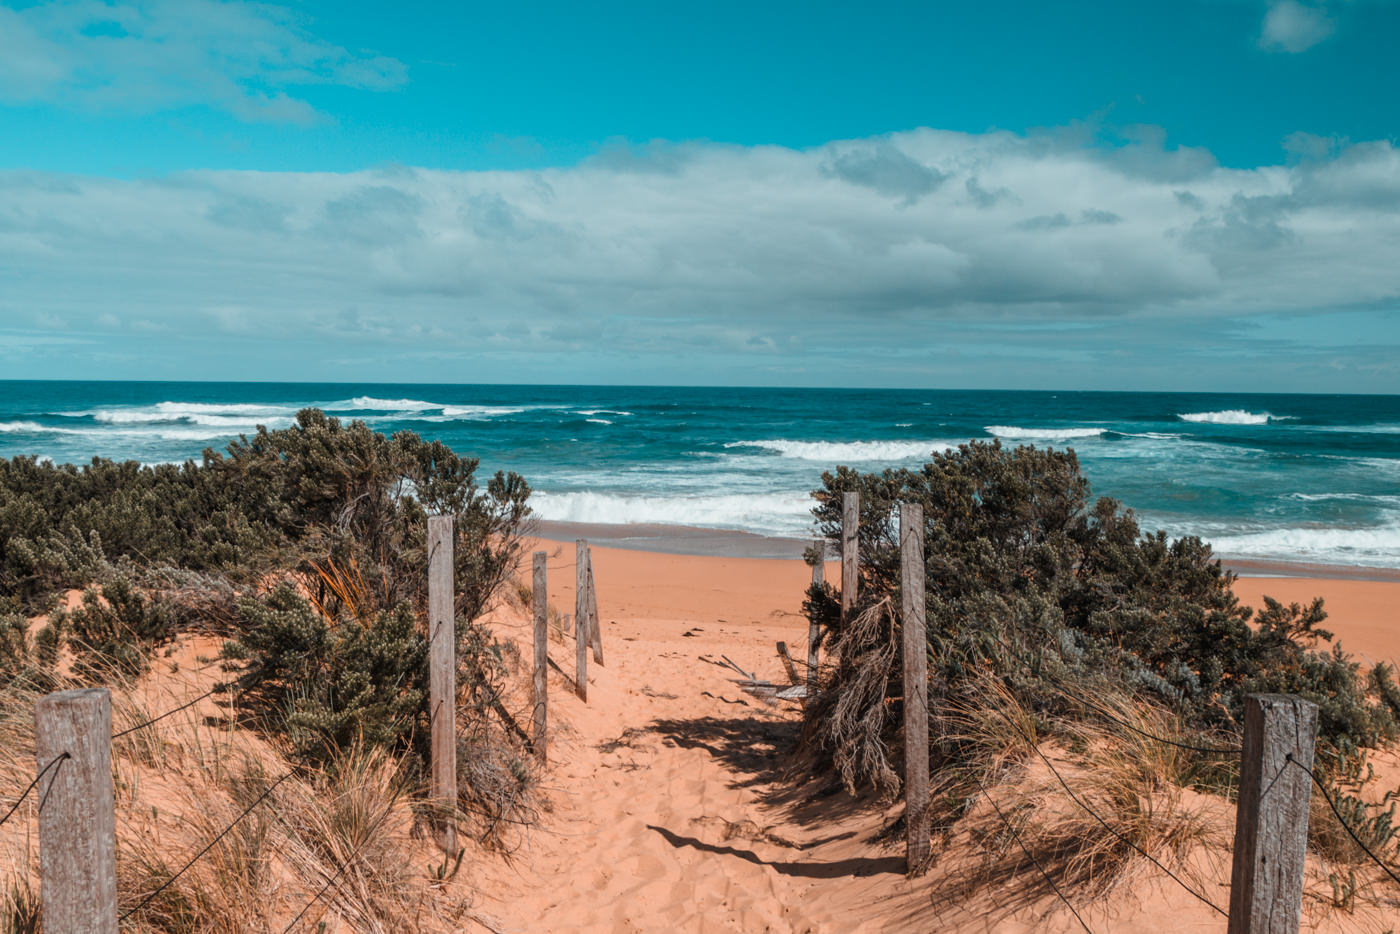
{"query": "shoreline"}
[(683, 540)]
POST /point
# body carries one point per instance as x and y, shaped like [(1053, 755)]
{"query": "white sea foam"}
[(195, 413), (23, 426), (1042, 434), (1370, 547), (766, 513), (386, 405), (480, 411), (599, 421), (1230, 417), (834, 452), (602, 412)]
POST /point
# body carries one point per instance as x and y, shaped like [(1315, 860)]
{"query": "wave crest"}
[(1229, 417), (844, 451), (764, 513), (1042, 434)]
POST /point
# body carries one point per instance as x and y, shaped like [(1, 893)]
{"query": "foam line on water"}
[(1017, 433), (833, 452), (1232, 417), (763, 513)]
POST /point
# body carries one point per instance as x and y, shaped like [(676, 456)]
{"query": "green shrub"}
[(1059, 598)]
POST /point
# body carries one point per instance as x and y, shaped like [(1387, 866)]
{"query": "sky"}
[(1197, 194)]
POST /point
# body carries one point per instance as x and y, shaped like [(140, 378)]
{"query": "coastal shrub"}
[(1060, 599), (115, 630), (326, 686)]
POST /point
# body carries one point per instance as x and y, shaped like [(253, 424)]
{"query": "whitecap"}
[(763, 513), (25, 426), (833, 452), (1042, 434), (1231, 417), (602, 412), (599, 421), (387, 405)]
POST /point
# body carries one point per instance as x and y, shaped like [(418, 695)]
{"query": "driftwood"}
[(764, 690)]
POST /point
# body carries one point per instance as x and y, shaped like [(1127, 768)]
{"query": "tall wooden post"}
[(850, 553), (911, 587), (814, 631), (541, 593), (581, 617), (77, 826), (442, 676), (1271, 823), (595, 623)]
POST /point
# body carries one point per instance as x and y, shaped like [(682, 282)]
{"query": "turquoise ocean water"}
[(1299, 478)]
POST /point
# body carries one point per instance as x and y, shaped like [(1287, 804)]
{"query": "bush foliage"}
[(1058, 599)]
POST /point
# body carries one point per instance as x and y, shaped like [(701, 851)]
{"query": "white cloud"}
[(716, 249), (1290, 26), (150, 55)]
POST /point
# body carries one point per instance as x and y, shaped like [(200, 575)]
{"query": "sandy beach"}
[(673, 804)]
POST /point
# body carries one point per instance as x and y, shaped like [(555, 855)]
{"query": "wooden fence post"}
[(77, 826), (442, 676), (814, 631), (541, 593), (1271, 823), (911, 587), (595, 624), (850, 553), (581, 617)]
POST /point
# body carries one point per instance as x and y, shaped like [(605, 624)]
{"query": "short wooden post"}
[(1271, 823), (581, 617), (911, 587), (595, 623), (442, 676), (77, 826), (814, 631), (850, 553), (541, 593)]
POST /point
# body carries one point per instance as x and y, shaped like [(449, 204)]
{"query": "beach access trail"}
[(671, 812), (669, 808)]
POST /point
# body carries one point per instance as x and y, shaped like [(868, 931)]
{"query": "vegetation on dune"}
[(1046, 613), (305, 550)]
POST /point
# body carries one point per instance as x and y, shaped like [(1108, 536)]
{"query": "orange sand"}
[(671, 812)]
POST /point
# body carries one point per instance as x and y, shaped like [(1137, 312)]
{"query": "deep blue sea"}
[(1301, 478)]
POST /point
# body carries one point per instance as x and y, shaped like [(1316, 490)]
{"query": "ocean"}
[(1276, 478)]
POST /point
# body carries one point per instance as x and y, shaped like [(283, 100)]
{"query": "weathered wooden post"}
[(581, 618), (911, 588), (568, 623), (1271, 823), (77, 826), (442, 676), (814, 631), (850, 553), (595, 623), (541, 594)]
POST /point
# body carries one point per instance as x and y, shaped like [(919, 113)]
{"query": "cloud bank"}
[(892, 247)]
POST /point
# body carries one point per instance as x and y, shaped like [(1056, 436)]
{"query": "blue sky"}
[(1197, 194)]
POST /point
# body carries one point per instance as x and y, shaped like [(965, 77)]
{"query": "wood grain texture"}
[(595, 622), (1271, 823), (539, 735), (442, 675), (915, 651), (77, 826), (581, 618), (850, 553), (814, 631)]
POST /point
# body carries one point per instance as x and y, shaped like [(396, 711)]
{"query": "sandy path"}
[(668, 808)]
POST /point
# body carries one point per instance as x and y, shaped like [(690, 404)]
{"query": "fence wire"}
[(1106, 826), (1024, 849), (1341, 820), (196, 858), (37, 778)]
